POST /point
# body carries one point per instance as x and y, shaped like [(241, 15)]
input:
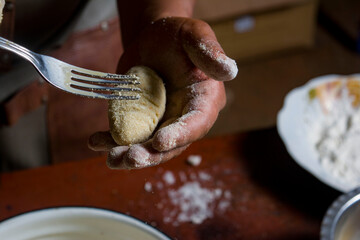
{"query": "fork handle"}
[(17, 49)]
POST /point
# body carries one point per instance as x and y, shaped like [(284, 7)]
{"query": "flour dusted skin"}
[(134, 121)]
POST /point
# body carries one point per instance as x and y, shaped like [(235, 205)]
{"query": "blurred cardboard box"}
[(342, 20), (248, 29)]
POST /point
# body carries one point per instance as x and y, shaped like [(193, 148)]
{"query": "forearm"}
[(135, 14)]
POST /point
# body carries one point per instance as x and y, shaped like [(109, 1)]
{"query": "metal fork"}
[(78, 80)]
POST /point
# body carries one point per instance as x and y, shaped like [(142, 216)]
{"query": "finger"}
[(101, 141), (116, 156), (139, 156), (202, 47), (199, 116)]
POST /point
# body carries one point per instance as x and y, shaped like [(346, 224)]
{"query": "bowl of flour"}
[(320, 127), (77, 223)]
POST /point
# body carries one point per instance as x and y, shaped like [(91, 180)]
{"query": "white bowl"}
[(77, 223), (294, 133)]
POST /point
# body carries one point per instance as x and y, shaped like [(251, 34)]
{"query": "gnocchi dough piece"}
[(2, 4), (133, 121)]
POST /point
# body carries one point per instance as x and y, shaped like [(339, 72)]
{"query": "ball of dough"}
[(133, 121), (2, 4)]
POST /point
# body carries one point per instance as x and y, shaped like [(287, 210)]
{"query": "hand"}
[(186, 54)]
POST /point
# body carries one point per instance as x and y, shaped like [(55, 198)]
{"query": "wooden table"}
[(256, 190)]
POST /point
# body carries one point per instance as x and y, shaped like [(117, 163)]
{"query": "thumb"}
[(200, 43)]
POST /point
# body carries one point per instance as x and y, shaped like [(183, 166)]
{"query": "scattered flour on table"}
[(335, 137), (148, 186), (195, 202), (189, 197), (169, 178), (194, 160)]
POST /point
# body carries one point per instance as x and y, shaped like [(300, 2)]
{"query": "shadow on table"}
[(273, 168)]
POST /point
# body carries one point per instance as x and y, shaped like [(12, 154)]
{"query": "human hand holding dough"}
[(193, 65), (133, 121)]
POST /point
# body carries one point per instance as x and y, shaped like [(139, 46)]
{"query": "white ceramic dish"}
[(293, 131), (77, 223)]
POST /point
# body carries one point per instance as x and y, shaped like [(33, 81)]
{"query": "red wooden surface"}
[(271, 196)]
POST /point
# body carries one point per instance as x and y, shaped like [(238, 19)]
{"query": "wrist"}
[(171, 8), (137, 14)]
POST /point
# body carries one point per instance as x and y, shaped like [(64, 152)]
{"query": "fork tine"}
[(94, 87), (101, 75), (92, 80), (113, 95)]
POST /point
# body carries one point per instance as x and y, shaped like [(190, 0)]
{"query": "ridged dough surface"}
[(2, 4), (134, 121)]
